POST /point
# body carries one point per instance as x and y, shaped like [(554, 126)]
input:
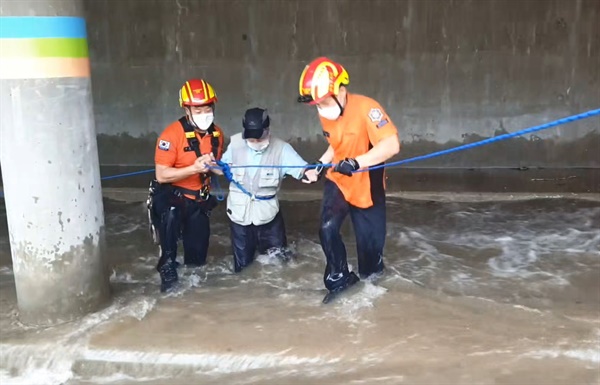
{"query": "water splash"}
[(219, 363), (42, 362), (590, 355)]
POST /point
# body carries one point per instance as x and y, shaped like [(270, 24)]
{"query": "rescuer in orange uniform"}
[(360, 135), (180, 202)]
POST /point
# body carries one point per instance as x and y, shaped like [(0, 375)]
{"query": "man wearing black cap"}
[(252, 203)]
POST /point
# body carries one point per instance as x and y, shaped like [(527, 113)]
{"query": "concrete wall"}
[(448, 72)]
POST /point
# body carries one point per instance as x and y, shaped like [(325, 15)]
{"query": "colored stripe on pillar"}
[(50, 47), (42, 26), (43, 47)]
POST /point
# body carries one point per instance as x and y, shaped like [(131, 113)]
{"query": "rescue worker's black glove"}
[(347, 166)]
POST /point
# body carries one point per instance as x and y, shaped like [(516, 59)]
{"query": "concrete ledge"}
[(536, 182), (140, 195)]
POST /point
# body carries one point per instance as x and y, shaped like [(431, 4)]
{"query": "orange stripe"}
[(44, 68)]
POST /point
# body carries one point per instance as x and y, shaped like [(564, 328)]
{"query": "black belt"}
[(199, 195)]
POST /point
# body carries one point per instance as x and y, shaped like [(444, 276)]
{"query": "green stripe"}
[(46, 47)]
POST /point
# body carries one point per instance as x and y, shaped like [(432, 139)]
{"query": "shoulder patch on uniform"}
[(382, 123), (375, 115), (164, 145)]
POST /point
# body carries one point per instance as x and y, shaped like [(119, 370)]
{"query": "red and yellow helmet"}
[(196, 92), (320, 79)]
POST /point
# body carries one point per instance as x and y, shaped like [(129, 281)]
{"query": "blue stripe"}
[(27, 27)]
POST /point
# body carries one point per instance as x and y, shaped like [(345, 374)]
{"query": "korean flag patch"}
[(164, 145)]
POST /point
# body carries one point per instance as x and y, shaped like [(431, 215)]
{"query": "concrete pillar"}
[(49, 161)]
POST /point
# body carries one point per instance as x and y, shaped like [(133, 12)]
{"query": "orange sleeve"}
[(379, 125), (165, 152)]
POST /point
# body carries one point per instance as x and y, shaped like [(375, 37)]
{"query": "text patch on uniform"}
[(164, 145), (382, 123), (375, 114)]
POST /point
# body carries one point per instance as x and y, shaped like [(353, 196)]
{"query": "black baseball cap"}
[(256, 121)]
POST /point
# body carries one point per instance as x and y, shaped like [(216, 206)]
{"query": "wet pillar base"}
[(50, 162)]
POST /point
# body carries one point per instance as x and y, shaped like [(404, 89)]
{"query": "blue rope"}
[(227, 173), (128, 174), (307, 166), (227, 168), (568, 119), (489, 140)]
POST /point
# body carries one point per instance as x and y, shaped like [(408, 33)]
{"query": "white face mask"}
[(258, 147), (330, 113), (203, 121)]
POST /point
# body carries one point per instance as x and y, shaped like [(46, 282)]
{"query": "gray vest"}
[(241, 208)]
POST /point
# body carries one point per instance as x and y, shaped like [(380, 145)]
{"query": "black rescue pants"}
[(181, 217), (369, 229)]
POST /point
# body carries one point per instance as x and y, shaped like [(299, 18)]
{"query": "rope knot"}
[(226, 170)]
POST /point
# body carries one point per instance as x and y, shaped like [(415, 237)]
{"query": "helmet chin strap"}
[(189, 116), (339, 104), (190, 120)]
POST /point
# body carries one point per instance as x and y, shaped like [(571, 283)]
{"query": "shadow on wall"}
[(124, 149), (520, 152)]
